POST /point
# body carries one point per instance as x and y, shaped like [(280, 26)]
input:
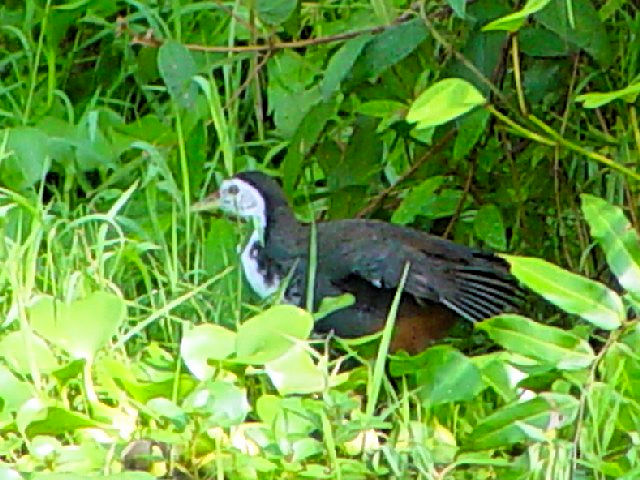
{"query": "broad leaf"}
[(448, 376), (578, 23), (295, 372), (271, 333), (177, 68), (617, 238), (221, 404), (82, 326), (444, 101), (275, 12), (548, 345), (340, 65), (489, 227), (203, 343), (573, 293), (504, 427)]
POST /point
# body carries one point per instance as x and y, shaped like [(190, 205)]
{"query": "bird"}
[(366, 258)]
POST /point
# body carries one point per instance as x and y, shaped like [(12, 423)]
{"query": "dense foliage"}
[(499, 124)]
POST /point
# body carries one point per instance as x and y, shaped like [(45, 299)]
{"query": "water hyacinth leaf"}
[(514, 21), (221, 403), (547, 344), (295, 372), (504, 426), (271, 333), (444, 101), (203, 343), (448, 376), (16, 354), (573, 293), (618, 239), (80, 327)]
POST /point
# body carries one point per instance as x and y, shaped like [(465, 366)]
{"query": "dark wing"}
[(474, 284)]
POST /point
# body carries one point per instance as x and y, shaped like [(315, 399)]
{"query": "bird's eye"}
[(233, 190)]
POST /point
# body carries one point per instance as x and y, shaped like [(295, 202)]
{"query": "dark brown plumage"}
[(367, 258)]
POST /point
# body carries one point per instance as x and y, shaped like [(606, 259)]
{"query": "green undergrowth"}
[(130, 345)]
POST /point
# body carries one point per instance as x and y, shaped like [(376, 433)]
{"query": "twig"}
[(375, 201), (465, 192), (151, 41)]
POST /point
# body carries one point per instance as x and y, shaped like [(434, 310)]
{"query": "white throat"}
[(256, 274)]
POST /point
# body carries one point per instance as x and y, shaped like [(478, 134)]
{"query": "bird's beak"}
[(211, 202)]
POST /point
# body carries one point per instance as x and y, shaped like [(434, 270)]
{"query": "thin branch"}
[(151, 41), (375, 201)]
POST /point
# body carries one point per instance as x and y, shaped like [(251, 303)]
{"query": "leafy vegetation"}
[(129, 339)]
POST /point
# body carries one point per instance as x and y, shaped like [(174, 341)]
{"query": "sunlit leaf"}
[(573, 293), (203, 343), (271, 333), (447, 376), (514, 21), (295, 372), (444, 101), (82, 326), (545, 343), (618, 239), (504, 426)]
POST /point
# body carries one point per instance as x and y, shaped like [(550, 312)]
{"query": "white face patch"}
[(241, 199)]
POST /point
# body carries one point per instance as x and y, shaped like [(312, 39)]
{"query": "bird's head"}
[(247, 195)]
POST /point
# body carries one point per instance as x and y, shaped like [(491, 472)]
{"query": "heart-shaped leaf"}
[(271, 333), (80, 327)]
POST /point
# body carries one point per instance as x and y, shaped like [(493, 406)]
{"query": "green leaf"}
[(221, 404), (489, 227), (470, 129), (548, 345), (80, 327), (340, 65), (304, 140), (275, 12), (271, 333), (328, 305), (618, 239), (514, 21), (597, 99), (295, 372), (387, 49), (577, 22), (503, 427), (203, 343), (444, 101), (424, 201), (177, 69), (17, 356), (26, 165), (540, 42), (573, 293), (448, 376), (458, 6)]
